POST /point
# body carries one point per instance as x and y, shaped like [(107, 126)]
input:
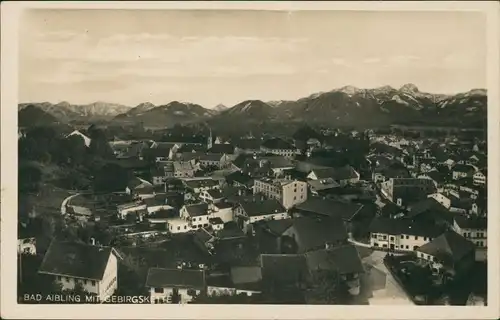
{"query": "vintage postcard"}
[(249, 160)]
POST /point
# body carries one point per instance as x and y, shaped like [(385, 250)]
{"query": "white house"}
[(26, 246), (93, 267), (175, 285), (155, 205), (178, 225), (441, 198), (128, 208), (474, 229), (86, 139), (211, 196), (196, 214), (251, 211), (479, 178), (222, 210), (400, 234)]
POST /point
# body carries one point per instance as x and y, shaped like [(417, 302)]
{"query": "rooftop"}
[(175, 278), (75, 260), (449, 247), (256, 207)]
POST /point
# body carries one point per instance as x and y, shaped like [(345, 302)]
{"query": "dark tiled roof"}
[(215, 193), (479, 223), (249, 144), (277, 227), (222, 148), (195, 210), (328, 207), (390, 209), (448, 247), (285, 269), (175, 278), (239, 177), (256, 207), (76, 260), (314, 233), (241, 160), (210, 157), (277, 143), (277, 161), (403, 226), (425, 205), (463, 168), (216, 220), (344, 259), (246, 274), (200, 183)]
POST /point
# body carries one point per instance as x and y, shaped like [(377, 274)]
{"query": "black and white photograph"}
[(229, 156)]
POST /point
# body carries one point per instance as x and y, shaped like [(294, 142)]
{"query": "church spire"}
[(209, 140)]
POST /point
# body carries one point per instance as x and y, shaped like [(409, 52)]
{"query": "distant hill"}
[(166, 115), (351, 106), (347, 106), (32, 115), (67, 112)]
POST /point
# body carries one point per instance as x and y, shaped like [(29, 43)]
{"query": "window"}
[(191, 292), (159, 290), (93, 282), (392, 238), (416, 237), (185, 227), (85, 281), (294, 198), (178, 228), (407, 237), (402, 236), (384, 237), (375, 244), (374, 236), (384, 246), (415, 247), (407, 247)]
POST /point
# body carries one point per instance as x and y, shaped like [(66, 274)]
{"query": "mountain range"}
[(66, 112), (346, 106)]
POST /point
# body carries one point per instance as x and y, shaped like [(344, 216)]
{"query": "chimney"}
[(92, 241)]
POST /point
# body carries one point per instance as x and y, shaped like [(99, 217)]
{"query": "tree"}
[(99, 144), (30, 282), (110, 178), (327, 287), (29, 176)]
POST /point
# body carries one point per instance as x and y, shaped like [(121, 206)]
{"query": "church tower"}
[(209, 140)]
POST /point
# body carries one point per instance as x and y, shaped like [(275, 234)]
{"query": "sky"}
[(212, 57)]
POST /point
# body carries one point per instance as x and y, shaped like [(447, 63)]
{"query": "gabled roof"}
[(463, 168), (329, 207), (246, 274), (249, 144), (313, 232), (474, 222), (215, 193), (200, 183), (426, 205), (403, 226), (175, 278), (255, 207), (277, 143), (222, 148), (448, 247), (138, 183), (277, 227), (323, 184), (276, 162), (343, 259), (283, 268), (75, 260), (195, 210), (210, 157), (239, 177), (339, 173)]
